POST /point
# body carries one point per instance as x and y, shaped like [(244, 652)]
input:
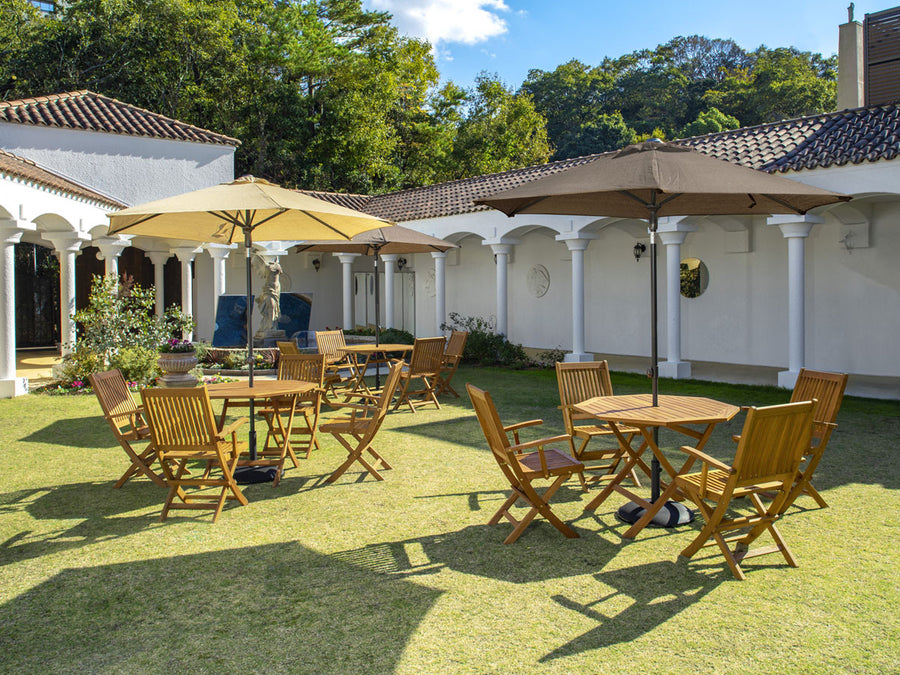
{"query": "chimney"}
[(851, 86)]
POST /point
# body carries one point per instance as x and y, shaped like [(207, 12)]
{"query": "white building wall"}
[(130, 169)]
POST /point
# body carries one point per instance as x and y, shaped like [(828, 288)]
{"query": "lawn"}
[(405, 576)]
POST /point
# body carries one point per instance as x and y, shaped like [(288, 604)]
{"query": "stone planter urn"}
[(176, 367)]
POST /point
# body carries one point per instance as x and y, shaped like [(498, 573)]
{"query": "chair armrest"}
[(540, 443), (522, 425), (707, 459)]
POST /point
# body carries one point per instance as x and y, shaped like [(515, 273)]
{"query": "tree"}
[(710, 122)]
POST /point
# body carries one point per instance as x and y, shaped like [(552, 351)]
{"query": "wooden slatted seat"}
[(306, 368), (579, 382), (183, 429), (453, 354), (357, 432), (765, 463), (523, 468), (126, 420), (424, 365)]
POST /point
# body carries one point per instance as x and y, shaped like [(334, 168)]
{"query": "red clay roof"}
[(88, 111), (19, 167)]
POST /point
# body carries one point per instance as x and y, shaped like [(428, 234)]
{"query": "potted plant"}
[(176, 359)]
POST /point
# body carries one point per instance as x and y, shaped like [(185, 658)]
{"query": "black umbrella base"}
[(245, 475), (673, 514)]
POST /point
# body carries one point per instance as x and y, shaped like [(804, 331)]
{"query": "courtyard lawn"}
[(405, 576)]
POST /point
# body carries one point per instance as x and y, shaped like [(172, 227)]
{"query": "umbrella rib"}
[(785, 204), (333, 229), (526, 205), (140, 221)]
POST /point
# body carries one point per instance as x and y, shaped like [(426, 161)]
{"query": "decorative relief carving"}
[(538, 281)]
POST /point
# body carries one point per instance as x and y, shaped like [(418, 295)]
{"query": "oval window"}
[(694, 277)]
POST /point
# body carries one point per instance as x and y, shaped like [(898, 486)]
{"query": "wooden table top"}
[(637, 410), (260, 389), (372, 347)]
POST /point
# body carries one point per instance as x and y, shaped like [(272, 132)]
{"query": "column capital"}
[(12, 229), (158, 257), (676, 224), (110, 247), (66, 242), (219, 251), (672, 237), (346, 258), (501, 249), (390, 257), (270, 250), (794, 226), (580, 244), (438, 254), (186, 254)]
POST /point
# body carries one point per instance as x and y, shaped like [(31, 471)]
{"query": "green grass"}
[(405, 576)]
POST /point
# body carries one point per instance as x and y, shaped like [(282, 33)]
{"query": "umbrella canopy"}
[(680, 181), (240, 211), (654, 179)]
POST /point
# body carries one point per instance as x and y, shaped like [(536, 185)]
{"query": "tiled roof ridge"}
[(33, 172), (156, 121)]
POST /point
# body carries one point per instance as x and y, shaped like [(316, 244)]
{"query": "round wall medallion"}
[(538, 281)]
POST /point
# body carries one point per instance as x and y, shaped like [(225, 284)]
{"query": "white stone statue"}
[(268, 300)]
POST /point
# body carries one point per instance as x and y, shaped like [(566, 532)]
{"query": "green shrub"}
[(395, 336), (485, 346), (138, 364), (77, 365)]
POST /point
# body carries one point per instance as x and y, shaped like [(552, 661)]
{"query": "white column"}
[(577, 247), (159, 258), (186, 255), (673, 366), (501, 255), (109, 250), (390, 267), (347, 286), (11, 232), (218, 253), (440, 290), (795, 229), (67, 245)]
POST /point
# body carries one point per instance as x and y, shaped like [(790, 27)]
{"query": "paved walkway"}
[(36, 365)]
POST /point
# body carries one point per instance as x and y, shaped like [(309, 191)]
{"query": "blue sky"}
[(509, 37)]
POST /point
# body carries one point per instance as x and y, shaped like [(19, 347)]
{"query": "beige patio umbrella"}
[(243, 210), (383, 240), (654, 179)]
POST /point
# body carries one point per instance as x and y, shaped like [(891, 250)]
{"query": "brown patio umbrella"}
[(240, 211), (383, 240), (654, 179)]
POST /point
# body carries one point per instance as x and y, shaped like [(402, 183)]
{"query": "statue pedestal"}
[(269, 338)]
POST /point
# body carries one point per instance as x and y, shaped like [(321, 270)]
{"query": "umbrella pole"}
[(377, 332), (252, 439), (654, 343)]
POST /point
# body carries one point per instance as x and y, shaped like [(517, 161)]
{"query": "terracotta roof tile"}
[(88, 111), (12, 165)]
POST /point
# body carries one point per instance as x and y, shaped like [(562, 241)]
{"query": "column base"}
[(578, 357), (17, 386), (677, 370), (788, 378)]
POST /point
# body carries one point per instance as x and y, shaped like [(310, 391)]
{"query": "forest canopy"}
[(325, 95)]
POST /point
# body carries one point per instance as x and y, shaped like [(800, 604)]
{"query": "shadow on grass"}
[(658, 591), (79, 432), (275, 608), (479, 550)]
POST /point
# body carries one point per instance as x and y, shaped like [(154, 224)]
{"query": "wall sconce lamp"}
[(316, 263), (401, 263), (639, 250)]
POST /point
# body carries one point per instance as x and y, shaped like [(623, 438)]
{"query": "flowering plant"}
[(176, 346)]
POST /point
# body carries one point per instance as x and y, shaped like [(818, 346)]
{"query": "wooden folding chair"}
[(362, 426), (329, 343), (579, 382), (453, 353), (126, 420), (287, 347), (828, 390), (424, 364), (306, 368), (522, 468), (766, 461), (183, 429)]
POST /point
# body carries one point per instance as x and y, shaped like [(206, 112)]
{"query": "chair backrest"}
[(456, 344), (492, 428), (426, 355), (826, 388), (772, 443), (581, 381), (115, 399), (180, 419), (329, 342), (304, 367), (287, 347), (384, 401)]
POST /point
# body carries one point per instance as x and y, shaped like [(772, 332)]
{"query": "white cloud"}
[(446, 21)]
